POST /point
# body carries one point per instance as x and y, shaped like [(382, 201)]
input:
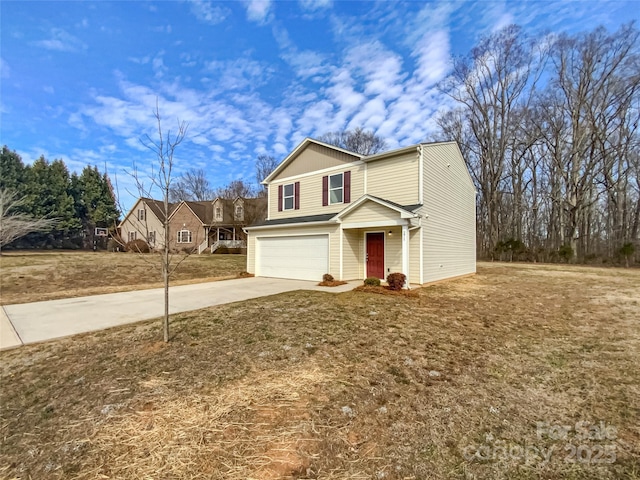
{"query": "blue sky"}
[(79, 80)]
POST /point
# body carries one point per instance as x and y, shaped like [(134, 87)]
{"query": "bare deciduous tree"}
[(192, 185), (358, 141), (235, 189), (265, 164), (160, 179), (13, 223)]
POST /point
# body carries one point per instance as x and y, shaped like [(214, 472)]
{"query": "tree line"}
[(549, 129), (72, 205)]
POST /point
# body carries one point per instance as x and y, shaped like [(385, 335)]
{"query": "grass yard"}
[(474, 378), (29, 276)]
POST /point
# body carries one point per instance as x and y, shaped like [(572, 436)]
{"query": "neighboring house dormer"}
[(238, 210), (218, 210)]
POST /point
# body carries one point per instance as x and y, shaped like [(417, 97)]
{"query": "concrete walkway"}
[(40, 321)]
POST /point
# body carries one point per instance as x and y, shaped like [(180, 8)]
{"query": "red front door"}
[(375, 255)]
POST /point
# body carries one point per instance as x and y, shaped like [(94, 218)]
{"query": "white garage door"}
[(303, 258)]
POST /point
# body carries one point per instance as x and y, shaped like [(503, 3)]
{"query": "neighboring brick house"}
[(195, 226)]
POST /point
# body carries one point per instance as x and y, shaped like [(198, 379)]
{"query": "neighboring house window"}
[(132, 236), (239, 212), (152, 238), (184, 236), (336, 188), (142, 214), (289, 196), (219, 214)]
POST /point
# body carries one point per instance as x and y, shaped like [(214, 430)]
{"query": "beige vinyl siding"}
[(395, 178), (449, 231), (311, 194), (414, 256), (334, 243), (142, 227), (392, 250), (251, 252), (371, 212), (313, 158), (352, 255)]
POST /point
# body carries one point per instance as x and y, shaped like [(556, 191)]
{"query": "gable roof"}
[(404, 211), (156, 207), (304, 144), (204, 211)]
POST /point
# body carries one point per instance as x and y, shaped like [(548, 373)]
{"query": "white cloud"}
[(61, 41), (258, 11), (237, 74), (313, 5), (207, 12), (433, 57), (5, 70)]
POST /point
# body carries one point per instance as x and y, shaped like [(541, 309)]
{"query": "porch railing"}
[(203, 246), (228, 244)]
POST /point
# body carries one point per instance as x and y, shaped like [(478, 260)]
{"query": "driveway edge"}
[(9, 338)]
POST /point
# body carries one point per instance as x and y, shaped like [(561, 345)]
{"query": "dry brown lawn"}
[(29, 276), (474, 378)]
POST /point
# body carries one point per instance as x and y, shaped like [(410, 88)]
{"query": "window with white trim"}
[(142, 214), (152, 238), (239, 212), (184, 236), (288, 197), (219, 214), (132, 236), (336, 188)]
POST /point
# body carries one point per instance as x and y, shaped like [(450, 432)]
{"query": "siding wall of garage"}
[(450, 229)]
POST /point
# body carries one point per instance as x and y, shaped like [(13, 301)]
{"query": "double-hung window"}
[(142, 214), (132, 236), (152, 238), (336, 188), (288, 196), (219, 214), (184, 236)]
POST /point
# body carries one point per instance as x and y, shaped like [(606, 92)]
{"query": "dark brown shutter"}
[(279, 198), (347, 186), (296, 196), (325, 191)]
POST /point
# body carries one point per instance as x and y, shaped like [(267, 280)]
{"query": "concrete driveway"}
[(40, 321)]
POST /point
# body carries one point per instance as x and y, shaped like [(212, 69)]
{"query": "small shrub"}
[(372, 282), (137, 246), (327, 277), (565, 252), (396, 280)]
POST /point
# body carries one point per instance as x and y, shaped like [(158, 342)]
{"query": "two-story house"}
[(410, 210)]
